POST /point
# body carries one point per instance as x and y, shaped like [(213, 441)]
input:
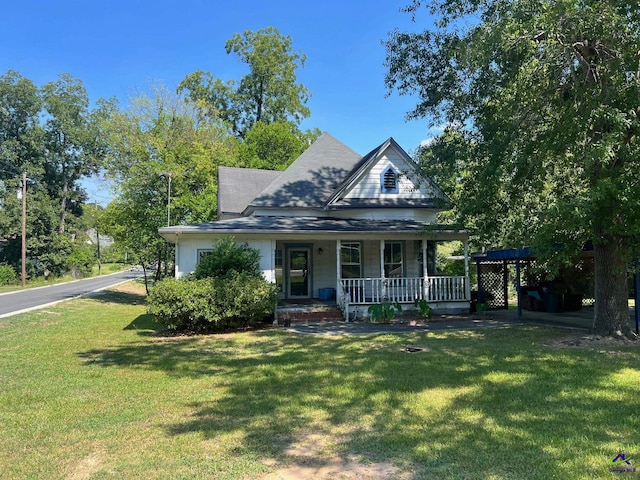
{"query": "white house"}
[(336, 223)]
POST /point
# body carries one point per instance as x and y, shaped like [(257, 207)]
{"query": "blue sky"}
[(118, 48)]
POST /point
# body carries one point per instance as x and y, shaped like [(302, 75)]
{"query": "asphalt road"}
[(33, 298)]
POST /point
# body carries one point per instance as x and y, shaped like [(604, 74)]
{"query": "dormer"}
[(387, 185)]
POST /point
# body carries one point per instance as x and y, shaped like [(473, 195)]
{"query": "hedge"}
[(212, 304)]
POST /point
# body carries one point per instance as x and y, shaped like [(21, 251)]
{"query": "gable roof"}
[(238, 186), (323, 175), (337, 200), (312, 178)]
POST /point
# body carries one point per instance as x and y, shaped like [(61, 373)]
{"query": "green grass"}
[(90, 390)]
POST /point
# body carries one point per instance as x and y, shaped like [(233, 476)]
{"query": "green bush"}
[(182, 304), (384, 312), (226, 257), (423, 308), (81, 259), (212, 304), (8, 275)]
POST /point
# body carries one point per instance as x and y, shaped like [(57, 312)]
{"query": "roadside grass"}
[(107, 268), (90, 389)]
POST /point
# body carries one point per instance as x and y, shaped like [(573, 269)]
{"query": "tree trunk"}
[(146, 280), (611, 313), (159, 265), (63, 206), (260, 101)]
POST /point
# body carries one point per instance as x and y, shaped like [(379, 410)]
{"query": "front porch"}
[(394, 270), (445, 294)]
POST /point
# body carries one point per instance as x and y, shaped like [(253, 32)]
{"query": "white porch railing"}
[(359, 291)]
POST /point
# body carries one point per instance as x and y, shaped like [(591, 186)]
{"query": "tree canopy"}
[(48, 133), (159, 139), (273, 146), (543, 100), (268, 93)]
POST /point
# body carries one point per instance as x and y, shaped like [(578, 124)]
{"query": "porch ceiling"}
[(303, 226)]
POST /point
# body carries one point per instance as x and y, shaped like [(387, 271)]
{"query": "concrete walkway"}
[(366, 328), (581, 320)]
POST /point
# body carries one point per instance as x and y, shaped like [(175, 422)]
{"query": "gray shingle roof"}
[(315, 175), (305, 225), (238, 186)]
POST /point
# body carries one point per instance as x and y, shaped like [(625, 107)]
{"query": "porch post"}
[(338, 285), (425, 271), (467, 281), (339, 292), (518, 287), (384, 286)]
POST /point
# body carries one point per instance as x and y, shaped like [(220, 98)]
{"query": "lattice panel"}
[(492, 286)]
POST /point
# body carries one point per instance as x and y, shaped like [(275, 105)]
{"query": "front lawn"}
[(90, 390)]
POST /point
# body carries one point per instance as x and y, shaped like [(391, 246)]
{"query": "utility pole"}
[(169, 201), (97, 238), (24, 229)]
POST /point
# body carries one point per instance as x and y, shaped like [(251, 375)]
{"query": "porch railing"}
[(358, 291)]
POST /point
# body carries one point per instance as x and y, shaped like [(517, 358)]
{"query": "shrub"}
[(212, 304), (423, 308), (226, 257), (181, 304), (81, 260), (8, 275), (384, 312), (243, 299)]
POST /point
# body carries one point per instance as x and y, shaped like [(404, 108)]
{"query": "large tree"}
[(48, 134), (546, 98), (274, 146), (20, 133), (156, 140), (72, 144), (268, 93)]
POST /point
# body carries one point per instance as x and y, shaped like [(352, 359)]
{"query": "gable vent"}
[(389, 181)]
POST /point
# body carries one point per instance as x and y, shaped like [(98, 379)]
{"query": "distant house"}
[(336, 224), (104, 240)]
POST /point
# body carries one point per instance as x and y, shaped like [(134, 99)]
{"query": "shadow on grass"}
[(119, 297), (145, 325), (472, 405)]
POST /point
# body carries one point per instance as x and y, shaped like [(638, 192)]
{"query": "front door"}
[(299, 280)]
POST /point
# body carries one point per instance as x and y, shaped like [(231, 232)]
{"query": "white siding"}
[(324, 266), (369, 184), (425, 216), (187, 254), (371, 258)]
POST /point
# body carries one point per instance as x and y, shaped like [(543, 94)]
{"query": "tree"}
[(273, 146), (20, 105), (133, 219), (158, 139), (54, 148), (160, 134), (268, 93), (72, 145), (546, 96)]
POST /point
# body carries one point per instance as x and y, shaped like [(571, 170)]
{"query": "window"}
[(203, 252), (351, 260), (431, 257), (389, 180), (278, 266), (393, 260)]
